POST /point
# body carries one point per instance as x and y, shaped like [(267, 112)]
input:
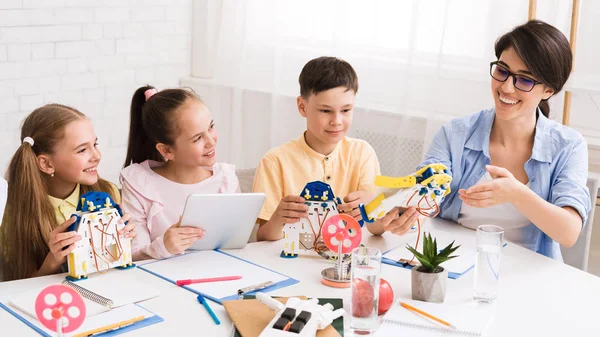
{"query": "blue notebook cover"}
[(453, 275), (137, 325), (281, 284)]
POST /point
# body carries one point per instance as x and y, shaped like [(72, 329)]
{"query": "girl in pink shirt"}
[(170, 155)]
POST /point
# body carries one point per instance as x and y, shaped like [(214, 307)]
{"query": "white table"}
[(537, 297)]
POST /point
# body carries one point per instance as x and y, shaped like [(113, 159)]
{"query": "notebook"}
[(104, 295), (470, 320), (109, 323), (101, 292), (215, 263), (120, 287), (456, 267), (250, 317)]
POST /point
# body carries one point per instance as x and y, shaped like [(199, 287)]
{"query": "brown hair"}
[(152, 121), (326, 73), (29, 216), (544, 50)]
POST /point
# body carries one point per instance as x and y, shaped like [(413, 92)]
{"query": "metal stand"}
[(338, 276), (59, 327)]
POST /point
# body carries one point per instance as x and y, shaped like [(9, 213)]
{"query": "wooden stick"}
[(573, 44), (532, 8), (567, 108)]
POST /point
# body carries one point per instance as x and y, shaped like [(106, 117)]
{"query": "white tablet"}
[(228, 219)]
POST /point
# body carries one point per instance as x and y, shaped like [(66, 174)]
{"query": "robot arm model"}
[(425, 190), (297, 318)]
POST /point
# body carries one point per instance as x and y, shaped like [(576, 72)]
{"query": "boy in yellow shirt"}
[(328, 86)]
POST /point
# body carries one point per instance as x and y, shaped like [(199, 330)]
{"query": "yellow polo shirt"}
[(65, 208), (286, 169)]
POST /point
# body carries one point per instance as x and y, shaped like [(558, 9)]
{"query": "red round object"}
[(386, 297), (60, 302), (363, 298), (56, 313), (344, 229)]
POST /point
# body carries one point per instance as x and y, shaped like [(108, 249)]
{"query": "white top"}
[(504, 215), (155, 202)]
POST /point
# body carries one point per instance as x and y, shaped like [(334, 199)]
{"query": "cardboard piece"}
[(251, 317)]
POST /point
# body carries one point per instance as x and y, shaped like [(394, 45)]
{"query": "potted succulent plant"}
[(428, 281)]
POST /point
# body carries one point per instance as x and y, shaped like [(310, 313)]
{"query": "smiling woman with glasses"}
[(511, 165)]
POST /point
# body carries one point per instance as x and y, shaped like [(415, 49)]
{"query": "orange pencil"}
[(410, 307)]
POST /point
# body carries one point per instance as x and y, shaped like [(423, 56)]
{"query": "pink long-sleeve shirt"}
[(155, 202)]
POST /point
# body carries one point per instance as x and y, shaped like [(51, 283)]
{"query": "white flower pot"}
[(429, 287)]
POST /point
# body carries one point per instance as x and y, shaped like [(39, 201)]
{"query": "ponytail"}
[(28, 217), (140, 146), (153, 121), (545, 107)]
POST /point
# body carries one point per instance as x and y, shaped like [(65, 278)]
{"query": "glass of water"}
[(490, 240), (366, 267)]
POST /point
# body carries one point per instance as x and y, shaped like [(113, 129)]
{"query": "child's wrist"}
[(50, 264)]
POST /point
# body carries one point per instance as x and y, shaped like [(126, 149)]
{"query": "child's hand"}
[(351, 202), (399, 224), (129, 230), (61, 243), (179, 238), (290, 209)]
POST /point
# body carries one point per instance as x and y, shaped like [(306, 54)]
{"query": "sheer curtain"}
[(419, 63)]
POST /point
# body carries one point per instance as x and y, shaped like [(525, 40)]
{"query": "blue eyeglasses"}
[(500, 73)]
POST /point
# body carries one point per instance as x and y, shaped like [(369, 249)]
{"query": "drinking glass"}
[(490, 240), (365, 270)]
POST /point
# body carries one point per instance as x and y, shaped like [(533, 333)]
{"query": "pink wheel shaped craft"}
[(344, 229), (59, 302)]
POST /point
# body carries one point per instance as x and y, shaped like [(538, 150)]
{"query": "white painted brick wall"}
[(92, 55), (19, 52), (41, 51)]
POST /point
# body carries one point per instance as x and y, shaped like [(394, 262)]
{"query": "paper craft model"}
[(305, 235), (101, 247), (297, 318), (424, 189)]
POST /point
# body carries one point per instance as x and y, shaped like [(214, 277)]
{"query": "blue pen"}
[(212, 313)]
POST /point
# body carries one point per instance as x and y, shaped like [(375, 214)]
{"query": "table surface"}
[(537, 295)]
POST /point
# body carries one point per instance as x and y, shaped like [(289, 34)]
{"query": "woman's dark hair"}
[(153, 121), (544, 50)]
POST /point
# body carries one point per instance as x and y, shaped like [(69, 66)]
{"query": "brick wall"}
[(92, 55)]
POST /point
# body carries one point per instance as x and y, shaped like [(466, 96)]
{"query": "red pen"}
[(204, 280)]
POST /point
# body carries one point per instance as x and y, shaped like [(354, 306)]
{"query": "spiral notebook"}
[(470, 320), (100, 292), (110, 300), (110, 323)]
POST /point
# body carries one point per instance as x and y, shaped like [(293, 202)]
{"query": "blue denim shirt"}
[(557, 169)]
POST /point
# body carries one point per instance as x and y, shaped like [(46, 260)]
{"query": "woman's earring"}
[(52, 174)]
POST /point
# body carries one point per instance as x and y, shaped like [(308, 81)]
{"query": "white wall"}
[(92, 55)]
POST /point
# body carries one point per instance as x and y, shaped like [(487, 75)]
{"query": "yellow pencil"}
[(419, 311), (110, 327)]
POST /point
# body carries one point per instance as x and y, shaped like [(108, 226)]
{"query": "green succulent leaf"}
[(431, 258)]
